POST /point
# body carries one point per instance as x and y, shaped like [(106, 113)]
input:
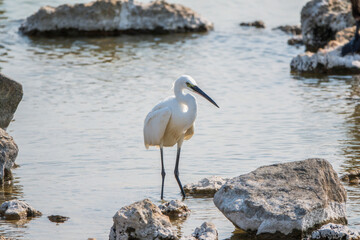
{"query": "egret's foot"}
[(351, 47)]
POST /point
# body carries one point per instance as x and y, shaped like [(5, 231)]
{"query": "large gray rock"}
[(284, 199), (321, 19), (333, 231), (141, 220), (16, 210), (206, 186), (10, 96), (113, 17), (8, 154), (175, 209)]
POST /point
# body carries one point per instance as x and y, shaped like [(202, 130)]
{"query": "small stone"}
[(175, 209), (58, 218), (295, 41), (294, 30), (206, 186), (257, 24), (16, 210), (207, 231), (141, 220), (333, 231)]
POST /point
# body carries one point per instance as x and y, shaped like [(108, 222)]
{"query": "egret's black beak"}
[(199, 91)]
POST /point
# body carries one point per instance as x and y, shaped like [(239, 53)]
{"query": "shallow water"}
[(79, 126)]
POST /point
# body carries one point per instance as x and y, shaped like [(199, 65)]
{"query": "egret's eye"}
[(188, 84)]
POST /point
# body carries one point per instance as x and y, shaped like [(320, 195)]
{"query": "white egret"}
[(172, 120)]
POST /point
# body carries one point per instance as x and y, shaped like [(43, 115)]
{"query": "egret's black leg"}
[(176, 172), (354, 45), (162, 173)]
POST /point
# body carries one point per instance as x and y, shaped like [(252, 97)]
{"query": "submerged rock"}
[(58, 218), (206, 186), (257, 24), (114, 17), (175, 209), (284, 199), (141, 220), (16, 210), (352, 177), (295, 41), (290, 29), (8, 154), (10, 96), (322, 19), (333, 231)]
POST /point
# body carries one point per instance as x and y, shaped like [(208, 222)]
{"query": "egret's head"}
[(187, 82)]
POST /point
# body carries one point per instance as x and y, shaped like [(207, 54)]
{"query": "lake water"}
[(79, 125)]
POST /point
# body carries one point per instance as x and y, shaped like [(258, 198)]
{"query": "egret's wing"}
[(189, 133), (155, 125)]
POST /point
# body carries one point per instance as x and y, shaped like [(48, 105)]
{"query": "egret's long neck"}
[(188, 100)]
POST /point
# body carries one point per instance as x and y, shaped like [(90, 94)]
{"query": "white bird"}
[(172, 120)]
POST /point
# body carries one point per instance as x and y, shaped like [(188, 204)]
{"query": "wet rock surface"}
[(114, 17), (284, 200), (141, 220), (257, 24), (333, 231), (10, 96), (326, 61), (175, 209), (206, 186), (8, 154), (58, 218), (290, 29), (16, 210), (322, 19)]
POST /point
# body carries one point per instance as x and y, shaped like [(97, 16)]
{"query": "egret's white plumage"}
[(172, 120), (169, 121)]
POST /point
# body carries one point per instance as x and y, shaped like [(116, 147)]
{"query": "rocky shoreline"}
[(282, 201)]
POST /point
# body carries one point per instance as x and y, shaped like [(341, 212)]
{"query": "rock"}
[(294, 30), (16, 210), (10, 96), (141, 220), (8, 154), (295, 41), (326, 61), (175, 209), (206, 186), (335, 232), (322, 19), (114, 17), (257, 24), (58, 218), (284, 199), (207, 231), (352, 177)]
